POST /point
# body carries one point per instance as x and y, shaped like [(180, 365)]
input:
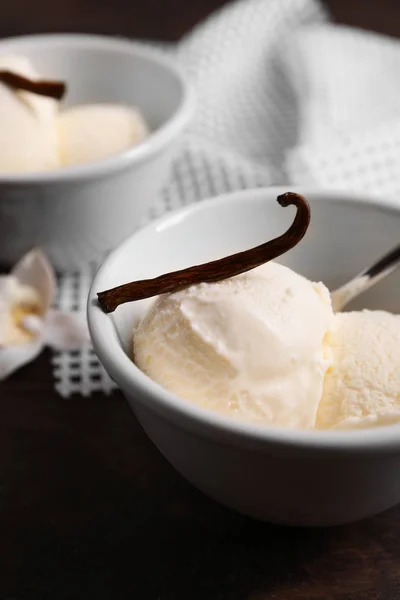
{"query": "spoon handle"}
[(366, 279), (385, 265)]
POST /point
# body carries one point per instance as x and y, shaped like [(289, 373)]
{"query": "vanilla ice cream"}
[(251, 346), (36, 136), (95, 131), (28, 135), (362, 385)]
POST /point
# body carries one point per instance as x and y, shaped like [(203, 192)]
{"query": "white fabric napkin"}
[(348, 95), (284, 96), (309, 101)]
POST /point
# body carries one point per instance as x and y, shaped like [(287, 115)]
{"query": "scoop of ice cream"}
[(250, 346), (92, 132), (28, 135), (362, 385)]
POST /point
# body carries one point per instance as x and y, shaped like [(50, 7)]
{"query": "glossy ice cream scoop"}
[(251, 346)]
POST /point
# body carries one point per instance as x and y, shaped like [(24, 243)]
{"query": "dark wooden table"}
[(90, 509)]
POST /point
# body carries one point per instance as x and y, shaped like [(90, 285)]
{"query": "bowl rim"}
[(191, 417), (156, 142)]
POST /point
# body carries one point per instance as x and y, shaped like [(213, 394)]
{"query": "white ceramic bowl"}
[(79, 213), (283, 476)]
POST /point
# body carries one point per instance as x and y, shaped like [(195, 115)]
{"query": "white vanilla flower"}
[(27, 321)]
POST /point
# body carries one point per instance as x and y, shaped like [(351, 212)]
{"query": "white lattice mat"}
[(78, 372)]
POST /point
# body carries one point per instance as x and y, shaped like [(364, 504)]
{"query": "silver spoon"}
[(366, 279)]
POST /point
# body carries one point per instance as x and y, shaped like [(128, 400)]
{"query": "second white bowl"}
[(76, 214)]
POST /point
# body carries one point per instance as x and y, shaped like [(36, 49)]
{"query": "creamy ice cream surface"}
[(251, 346), (28, 135), (94, 131), (266, 346), (362, 385)]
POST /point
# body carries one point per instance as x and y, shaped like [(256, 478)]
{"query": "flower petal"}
[(65, 331), (15, 357), (34, 270), (33, 324)]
